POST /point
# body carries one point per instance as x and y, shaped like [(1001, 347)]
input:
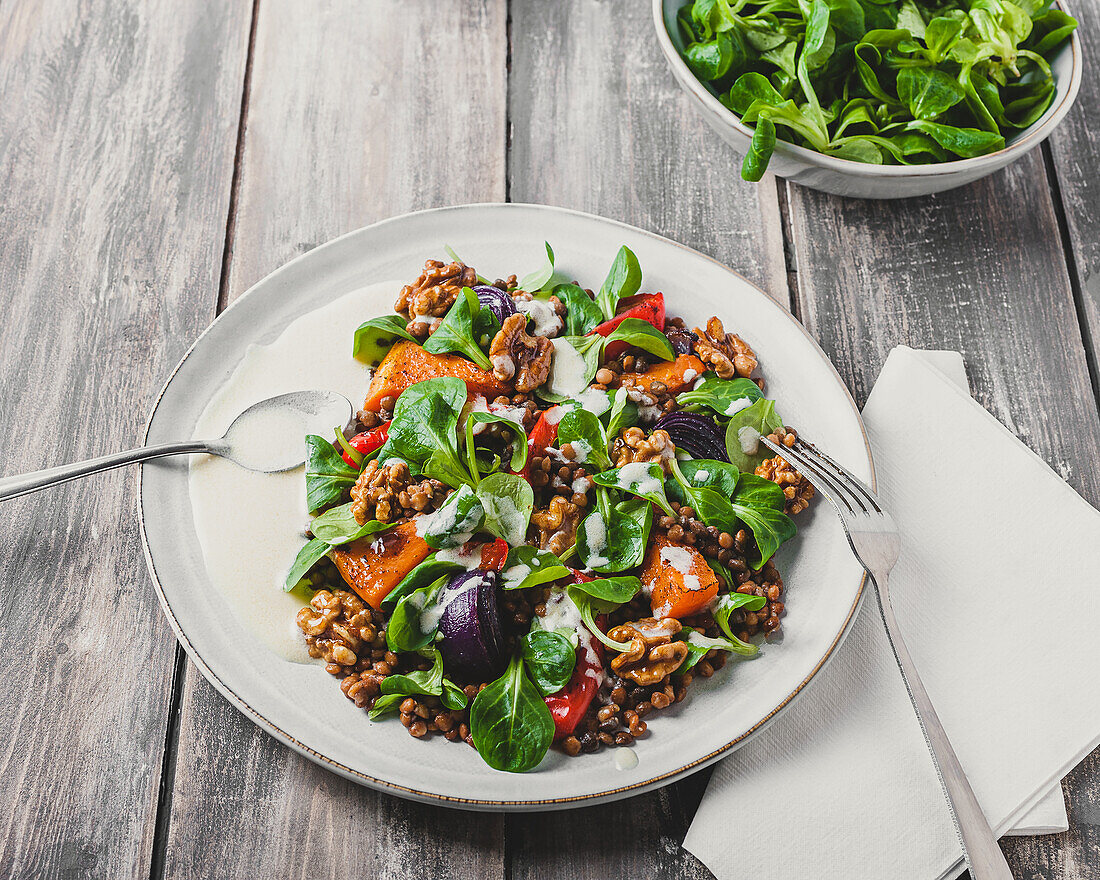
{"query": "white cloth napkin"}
[(997, 591)]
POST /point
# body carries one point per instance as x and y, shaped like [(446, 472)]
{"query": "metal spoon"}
[(266, 437)]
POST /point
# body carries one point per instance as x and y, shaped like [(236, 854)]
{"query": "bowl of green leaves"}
[(875, 98)]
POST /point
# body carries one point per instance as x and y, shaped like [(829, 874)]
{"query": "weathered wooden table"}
[(157, 157)]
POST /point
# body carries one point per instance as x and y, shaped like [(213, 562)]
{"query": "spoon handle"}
[(24, 484)]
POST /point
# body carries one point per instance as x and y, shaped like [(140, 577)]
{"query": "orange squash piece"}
[(678, 375), (408, 363), (374, 565), (678, 578)]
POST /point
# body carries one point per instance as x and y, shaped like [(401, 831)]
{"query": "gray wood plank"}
[(356, 112), (1075, 148), (1075, 151), (980, 270), (117, 132), (599, 124)]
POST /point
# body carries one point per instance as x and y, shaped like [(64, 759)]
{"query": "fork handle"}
[(980, 849)]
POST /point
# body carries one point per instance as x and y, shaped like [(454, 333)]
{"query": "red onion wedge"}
[(472, 643), (496, 301), (696, 434)]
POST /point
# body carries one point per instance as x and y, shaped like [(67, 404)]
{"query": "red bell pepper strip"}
[(569, 705), (493, 555), (646, 307), (542, 436), (366, 442)]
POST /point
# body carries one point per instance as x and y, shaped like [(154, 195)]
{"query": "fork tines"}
[(845, 491)]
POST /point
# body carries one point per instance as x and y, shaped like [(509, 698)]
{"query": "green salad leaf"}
[(455, 522), (726, 397), (582, 313), (374, 338), (510, 724), (612, 539), (404, 632), (549, 658), (519, 440), (528, 566), (623, 413), (307, 557), (327, 475), (428, 682), (508, 501), (623, 280), (423, 430), (585, 435), (760, 418), (646, 480), (423, 574), (538, 279), (641, 334), (465, 329)]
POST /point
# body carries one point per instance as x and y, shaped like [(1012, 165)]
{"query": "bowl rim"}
[(1028, 138)]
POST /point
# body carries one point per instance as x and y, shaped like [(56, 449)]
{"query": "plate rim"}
[(397, 789)]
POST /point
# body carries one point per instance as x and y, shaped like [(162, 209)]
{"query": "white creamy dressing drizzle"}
[(441, 522), (561, 613), (625, 758), (430, 617), (680, 560), (595, 401), (637, 478), (251, 525), (506, 512), (595, 531), (555, 414), (567, 370), (513, 575), (467, 555), (541, 314), (749, 438), (737, 405), (479, 404), (581, 450)]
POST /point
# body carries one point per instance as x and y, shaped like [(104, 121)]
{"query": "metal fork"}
[(874, 539)]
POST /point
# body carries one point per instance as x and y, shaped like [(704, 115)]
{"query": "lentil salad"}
[(554, 514)]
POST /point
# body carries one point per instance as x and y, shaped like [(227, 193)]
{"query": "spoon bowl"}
[(269, 436)]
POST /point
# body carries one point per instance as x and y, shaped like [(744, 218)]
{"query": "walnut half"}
[(515, 355), (652, 654), (424, 302), (725, 353), (557, 524)]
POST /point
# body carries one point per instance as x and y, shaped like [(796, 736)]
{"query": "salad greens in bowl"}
[(875, 98)]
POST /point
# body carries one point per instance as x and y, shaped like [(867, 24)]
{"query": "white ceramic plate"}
[(302, 705)]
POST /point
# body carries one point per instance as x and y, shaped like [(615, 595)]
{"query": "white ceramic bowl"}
[(843, 176), (301, 704)]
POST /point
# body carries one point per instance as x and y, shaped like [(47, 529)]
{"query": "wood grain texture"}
[(117, 130), (980, 270), (356, 112), (1075, 148), (599, 124)]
